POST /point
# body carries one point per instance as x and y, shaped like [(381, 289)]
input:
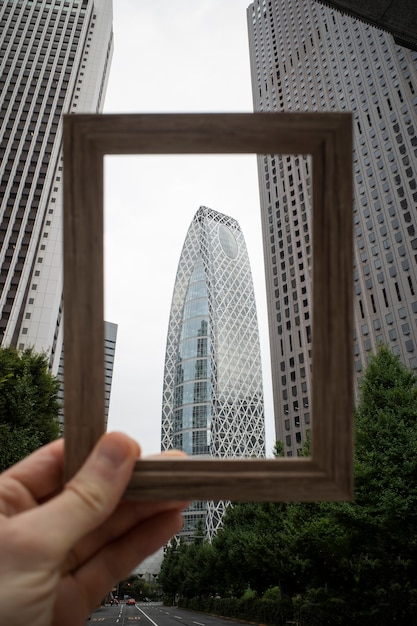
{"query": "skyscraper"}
[(212, 403), (54, 59), (110, 335), (398, 18), (309, 57)]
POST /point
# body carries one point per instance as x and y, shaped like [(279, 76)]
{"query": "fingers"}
[(32, 480), (117, 560), (91, 496), (127, 516)]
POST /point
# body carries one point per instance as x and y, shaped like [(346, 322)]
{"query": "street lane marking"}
[(147, 616), (199, 623)]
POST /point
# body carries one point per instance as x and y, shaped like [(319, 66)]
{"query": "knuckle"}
[(89, 495)]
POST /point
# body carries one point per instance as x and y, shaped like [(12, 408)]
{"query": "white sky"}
[(184, 56)]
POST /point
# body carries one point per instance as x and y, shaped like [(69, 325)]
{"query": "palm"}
[(57, 574)]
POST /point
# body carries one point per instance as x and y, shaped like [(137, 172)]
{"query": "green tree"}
[(384, 517), (278, 449), (29, 404), (188, 568), (135, 587), (365, 552), (348, 562), (170, 576), (248, 548)]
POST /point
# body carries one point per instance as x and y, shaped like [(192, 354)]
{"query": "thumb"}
[(92, 495)]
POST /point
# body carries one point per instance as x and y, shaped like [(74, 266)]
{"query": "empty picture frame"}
[(328, 473)]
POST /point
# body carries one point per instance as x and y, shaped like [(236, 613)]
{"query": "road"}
[(154, 614)]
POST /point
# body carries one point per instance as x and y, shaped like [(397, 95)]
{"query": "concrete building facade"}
[(307, 56), (110, 336), (54, 59)]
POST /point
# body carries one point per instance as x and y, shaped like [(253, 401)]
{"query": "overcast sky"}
[(184, 56)]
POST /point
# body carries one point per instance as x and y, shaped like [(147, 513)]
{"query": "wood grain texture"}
[(83, 298), (234, 479), (328, 474)]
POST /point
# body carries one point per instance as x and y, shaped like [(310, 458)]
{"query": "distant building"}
[(54, 59), (212, 402), (148, 570), (306, 56), (110, 335)]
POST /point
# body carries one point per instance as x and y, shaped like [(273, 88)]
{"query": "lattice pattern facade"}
[(212, 393)]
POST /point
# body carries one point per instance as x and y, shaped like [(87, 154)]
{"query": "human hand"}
[(62, 551)]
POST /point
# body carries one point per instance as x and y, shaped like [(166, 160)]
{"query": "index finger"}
[(32, 480)]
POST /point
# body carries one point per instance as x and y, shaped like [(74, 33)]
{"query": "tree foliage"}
[(135, 587), (350, 562), (278, 449), (29, 404)]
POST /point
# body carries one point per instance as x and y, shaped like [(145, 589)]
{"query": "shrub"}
[(273, 593), (249, 594)]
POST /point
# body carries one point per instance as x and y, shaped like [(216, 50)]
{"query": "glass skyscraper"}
[(306, 56), (212, 391), (54, 59)]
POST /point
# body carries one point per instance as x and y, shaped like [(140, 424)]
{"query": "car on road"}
[(130, 601)]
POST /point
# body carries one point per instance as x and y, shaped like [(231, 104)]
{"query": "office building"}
[(307, 56), (54, 59), (110, 335), (398, 18), (212, 402)]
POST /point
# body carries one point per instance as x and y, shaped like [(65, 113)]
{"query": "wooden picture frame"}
[(327, 137)]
